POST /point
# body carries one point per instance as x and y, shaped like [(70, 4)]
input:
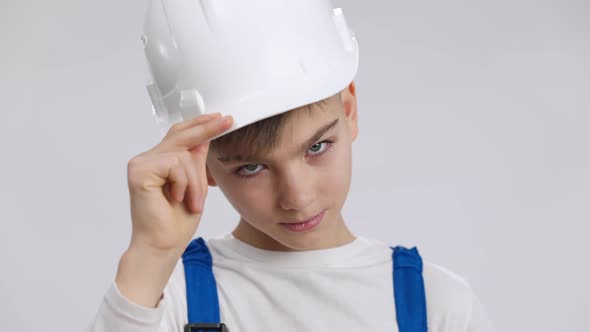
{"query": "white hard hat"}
[(249, 59)]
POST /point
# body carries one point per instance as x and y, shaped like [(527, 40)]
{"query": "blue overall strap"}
[(201, 289), (408, 289)]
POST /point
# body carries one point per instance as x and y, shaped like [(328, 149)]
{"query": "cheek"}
[(336, 173), (249, 200)]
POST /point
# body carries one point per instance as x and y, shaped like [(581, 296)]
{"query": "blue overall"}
[(203, 303)]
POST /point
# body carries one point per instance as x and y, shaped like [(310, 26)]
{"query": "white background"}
[(474, 145)]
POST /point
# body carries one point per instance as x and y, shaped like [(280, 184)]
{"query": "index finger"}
[(197, 121), (201, 133)]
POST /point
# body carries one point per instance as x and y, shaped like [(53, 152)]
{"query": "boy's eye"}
[(318, 148), (250, 169)]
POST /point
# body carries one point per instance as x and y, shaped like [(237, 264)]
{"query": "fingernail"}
[(227, 118), (222, 120)]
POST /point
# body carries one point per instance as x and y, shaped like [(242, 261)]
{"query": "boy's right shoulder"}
[(449, 297)]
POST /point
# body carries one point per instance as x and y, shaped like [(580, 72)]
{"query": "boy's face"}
[(307, 174)]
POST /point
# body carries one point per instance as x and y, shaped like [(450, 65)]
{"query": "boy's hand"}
[(167, 187), (168, 184)]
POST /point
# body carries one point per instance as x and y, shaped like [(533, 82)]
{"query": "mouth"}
[(306, 225)]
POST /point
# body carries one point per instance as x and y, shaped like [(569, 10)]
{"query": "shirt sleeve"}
[(117, 313)]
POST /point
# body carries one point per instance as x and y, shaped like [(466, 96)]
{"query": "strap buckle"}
[(205, 327)]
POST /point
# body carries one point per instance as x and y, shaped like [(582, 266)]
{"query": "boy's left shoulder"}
[(445, 288), (451, 301)]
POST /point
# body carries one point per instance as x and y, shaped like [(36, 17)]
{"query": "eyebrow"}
[(304, 146)]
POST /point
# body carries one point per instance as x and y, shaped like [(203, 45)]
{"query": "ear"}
[(210, 180), (348, 96)]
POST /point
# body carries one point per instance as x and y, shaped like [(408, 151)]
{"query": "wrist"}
[(142, 274)]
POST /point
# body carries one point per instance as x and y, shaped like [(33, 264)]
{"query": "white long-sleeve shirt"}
[(347, 288)]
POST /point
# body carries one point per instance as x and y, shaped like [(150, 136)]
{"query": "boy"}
[(291, 263)]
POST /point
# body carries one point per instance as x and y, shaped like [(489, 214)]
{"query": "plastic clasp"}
[(205, 327)]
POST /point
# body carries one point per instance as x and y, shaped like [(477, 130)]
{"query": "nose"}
[(296, 190)]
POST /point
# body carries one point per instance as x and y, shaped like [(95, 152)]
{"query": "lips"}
[(302, 221), (304, 225)]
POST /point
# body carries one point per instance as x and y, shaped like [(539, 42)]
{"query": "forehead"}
[(304, 122), (271, 140)]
